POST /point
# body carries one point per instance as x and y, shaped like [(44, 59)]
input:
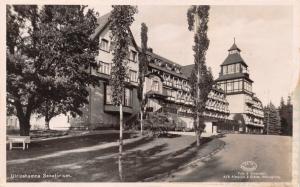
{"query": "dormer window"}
[(168, 66), (104, 45), (158, 62)]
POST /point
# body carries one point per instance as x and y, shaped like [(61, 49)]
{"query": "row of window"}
[(254, 110), (168, 66), (177, 95), (235, 85), (126, 100), (234, 68), (104, 45), (105, 68)]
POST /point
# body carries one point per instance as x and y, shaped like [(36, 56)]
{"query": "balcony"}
[(188, 102), (169, 109), (250, 102), (115, 109), (170, 98), (168, 83), (186, 88), (254, 124)]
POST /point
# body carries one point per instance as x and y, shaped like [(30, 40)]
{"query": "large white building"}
[(244, 106)]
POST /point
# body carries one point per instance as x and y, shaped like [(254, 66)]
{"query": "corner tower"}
[(234, 79)]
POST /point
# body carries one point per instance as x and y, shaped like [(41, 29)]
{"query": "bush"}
[(159, 124)]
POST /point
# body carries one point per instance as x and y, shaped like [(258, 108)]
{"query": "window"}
[(224, 70), (104, 68), (127, 97), (236, 86), (104, 45), (168, 92), (241, 85), (133, 56), (237, 68), (133, 76), (229, 86), (155, 86), (108, 95), (173, 93), (127, 100), (244, 69), (248, 86), (231, 69), (222, 85)]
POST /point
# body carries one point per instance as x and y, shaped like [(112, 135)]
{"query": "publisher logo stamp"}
[(249, 166)]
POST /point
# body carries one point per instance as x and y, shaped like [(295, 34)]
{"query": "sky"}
[(263, 33)]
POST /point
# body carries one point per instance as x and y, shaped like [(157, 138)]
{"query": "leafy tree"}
[(282, 104), (201, 79), (286, 116), (143, 69), (122, 16), (159, 123), (48, 52), (289, 100), (272, 120)]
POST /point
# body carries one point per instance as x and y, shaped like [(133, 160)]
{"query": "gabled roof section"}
[(103, 22), (234, 58)]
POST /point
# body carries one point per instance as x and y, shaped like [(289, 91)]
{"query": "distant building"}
[(244, 106), (168, 90)]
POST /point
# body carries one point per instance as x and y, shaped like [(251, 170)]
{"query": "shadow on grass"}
[(102, 165)]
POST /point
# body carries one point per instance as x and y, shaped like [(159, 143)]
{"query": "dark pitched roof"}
[(167, 70), (218, 89), (187, 70), (234, 58), (234, 47), (234, 76), (163, 59), (102, 23)]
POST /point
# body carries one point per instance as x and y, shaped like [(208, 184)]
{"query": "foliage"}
[(48, 52), (271, 119), (203, 85), (143, 62), (120, 20), (286, 116), (159, 123)]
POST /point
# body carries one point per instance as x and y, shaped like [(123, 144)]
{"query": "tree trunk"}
[(24, 124), (198, 130), (47, 126), (141, 122), (121, 143)]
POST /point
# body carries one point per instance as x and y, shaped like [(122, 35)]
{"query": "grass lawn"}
[(69, 143), (142, 159)]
